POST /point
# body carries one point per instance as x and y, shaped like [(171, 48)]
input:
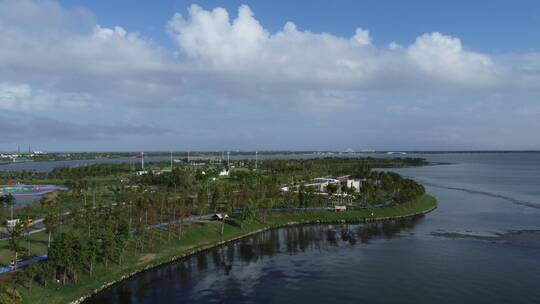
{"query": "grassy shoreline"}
[(203, 236)]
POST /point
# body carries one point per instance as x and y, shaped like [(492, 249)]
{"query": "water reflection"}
[(232, 272)]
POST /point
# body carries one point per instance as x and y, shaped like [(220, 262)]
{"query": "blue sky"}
[(214, 75), (489, 26)]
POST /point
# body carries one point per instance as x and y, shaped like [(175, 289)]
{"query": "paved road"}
[(37, 226)]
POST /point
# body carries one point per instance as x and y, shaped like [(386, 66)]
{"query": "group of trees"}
[(203, 185), (91, 170), (91, 236), (7, 176), (383, 186), (77, 250), (336, 166), (408, 190), (85, 236)]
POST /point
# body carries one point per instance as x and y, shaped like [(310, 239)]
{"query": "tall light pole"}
[(207, 191), (256, 159), (228, 161), (142, 160)]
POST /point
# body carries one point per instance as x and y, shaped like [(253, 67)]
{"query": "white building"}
[(321, 183), (356, 183)]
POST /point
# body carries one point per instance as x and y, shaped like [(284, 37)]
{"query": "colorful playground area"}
[(29, 190)]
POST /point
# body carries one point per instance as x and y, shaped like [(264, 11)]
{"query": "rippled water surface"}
[(482, 245)]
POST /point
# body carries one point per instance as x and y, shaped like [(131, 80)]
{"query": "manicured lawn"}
[(423, 203), (38, 246)]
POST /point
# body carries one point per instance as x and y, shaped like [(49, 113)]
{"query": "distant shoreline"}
[(470, 152), (154, 153)]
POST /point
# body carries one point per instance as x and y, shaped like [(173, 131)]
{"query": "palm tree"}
[(50, 221), (15, 235)]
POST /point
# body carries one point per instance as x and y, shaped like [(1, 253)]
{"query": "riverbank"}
[(206, 235)]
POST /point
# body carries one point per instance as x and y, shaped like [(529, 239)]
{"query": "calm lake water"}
[(482, 245)]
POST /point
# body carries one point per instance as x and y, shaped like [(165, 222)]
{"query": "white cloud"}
[(103, 64), (394, 46), (362, 36), (222, 53), (437, 54), (240, 46), (210, 36), (60, 62)]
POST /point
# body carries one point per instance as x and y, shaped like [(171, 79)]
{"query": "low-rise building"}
[(321, 183), (220, 216), (356, 183), (340, 208)]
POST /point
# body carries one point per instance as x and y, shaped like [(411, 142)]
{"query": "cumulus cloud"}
[(227, 69), (362, 36), (441, 55), (210, 35), (68, 56), (213, 40)]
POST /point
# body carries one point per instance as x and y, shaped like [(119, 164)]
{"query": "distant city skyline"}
[(281, 75)]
